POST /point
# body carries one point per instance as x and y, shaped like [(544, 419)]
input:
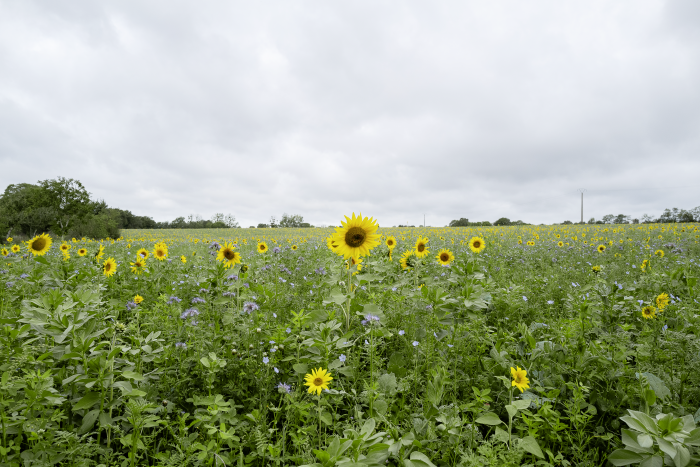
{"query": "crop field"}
[(565, 345)]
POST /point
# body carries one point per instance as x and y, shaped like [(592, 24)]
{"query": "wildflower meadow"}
[(565, 345)]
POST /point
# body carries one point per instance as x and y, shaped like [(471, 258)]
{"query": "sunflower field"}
[(568, 345)]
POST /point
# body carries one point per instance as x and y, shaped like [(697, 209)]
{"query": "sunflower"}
[(390, 242), (294, 247), (4, 252), (183, 259), (407, 261), (520, 242), (356, 236), (39, 245), (262, 247), (228, 256), (64, 247), (142, 253), (82, 252), (648, 312), (560, 243), (520, 380), (530, 243), (160, 251), (138, 299), (445, 257), (662, 301), (9, 239), (109, 267), (595, 269), (15, 249), (100, 253), (659, 253), (138, 265), (420, 248), (355, 261), (645, 265), (601, 248), (317, 380), (477, 245)]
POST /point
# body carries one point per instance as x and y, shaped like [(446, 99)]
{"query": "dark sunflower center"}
[(420, 247), (229, 254), (355, 237), (108, 266), (39, 244), (262, 247), (318, 382), (444, 257), (477, 244), (390, 242)]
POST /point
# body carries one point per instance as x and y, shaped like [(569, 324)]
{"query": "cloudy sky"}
[(393, 108)]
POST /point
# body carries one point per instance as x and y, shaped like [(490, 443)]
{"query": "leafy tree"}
[(503, 221), (608, 218), (462, 222), (291, 221), (566, 223), (263, 226)]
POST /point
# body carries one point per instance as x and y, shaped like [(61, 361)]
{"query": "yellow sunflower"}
[(421, 247), (82, 252), (520, 380), (138, 265), (39, 245), (262, 247), (595, 269), (228, 256), (645, 265), (662, 301), (477, 245), (560, 243), (138, 299), (445, 257), (100, 253), (648, 312), (4, 252), (355, 261), (317, 380), (356, 237), (64, 247), (142, 253), (601, 248), (160, 251), (407, 260), (15, 249), (659, 253), (183, 259), (390, 242), (9, 239), (294, 247), (109, 267)]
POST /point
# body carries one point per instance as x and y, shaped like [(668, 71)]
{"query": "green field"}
[(209, 368)]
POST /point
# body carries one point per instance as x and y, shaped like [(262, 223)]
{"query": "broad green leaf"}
[(88, 421), (531, 445), (87, 401), (624, 457), (301, 368), (489, 418)]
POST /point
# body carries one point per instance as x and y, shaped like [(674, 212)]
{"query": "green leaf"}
[(489, 418), (530, 445), (422, 458), (512, 410), (521, 404), (326, 418), (657, 385), (301, 368), (41, 260), (132, 375), (624, 457), (89, 421), (87, 401)]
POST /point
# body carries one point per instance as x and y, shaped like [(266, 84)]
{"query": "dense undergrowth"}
[(209, 368)]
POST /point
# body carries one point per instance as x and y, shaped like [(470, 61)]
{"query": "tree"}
[(647, 219), (566, 223), (291, 221), (502, 221), (462, 222), (591, 220), (263, 226), (218, 217), (608, 218), (621, 219), (230, 221), (273, 222)]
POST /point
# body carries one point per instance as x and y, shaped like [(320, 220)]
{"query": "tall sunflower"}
[(142, 253), (160, 251), (39, 245), (109, 267), (100, 253), (421, 247), (228, 256), (659, 253), (356, 237), (64, 247), (390, 242), (662, 301), (15, 249), (477, 245), (601, 248), (317, 380), (407, 259), (262, 247), (82, 251), (355, 261), (445, 257), (648, 312), (4, 252)]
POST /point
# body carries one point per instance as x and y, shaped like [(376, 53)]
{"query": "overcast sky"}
[(390, 108)]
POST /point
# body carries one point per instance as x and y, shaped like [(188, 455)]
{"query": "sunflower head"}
[(421, 247), (520, 380), (228, 255), (355, 262), (160, 251), (662, 301), (4, 252), (82, 251), (595, 269), (317, 380), (39, 245), (262, 247), (138, 299), (65, 247), (477, 245), (143, 253), (390, 242), (100, 253), (648, 312), (356, 237), (659, 253), (408, 259), (294, 248), (560, 243), (445, 257), (183, 259), (109, 267)]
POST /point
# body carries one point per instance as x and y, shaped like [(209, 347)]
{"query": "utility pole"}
[(582, 190), (423, 220)]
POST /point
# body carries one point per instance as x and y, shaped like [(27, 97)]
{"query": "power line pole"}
[(582, 190), (423, 220)]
